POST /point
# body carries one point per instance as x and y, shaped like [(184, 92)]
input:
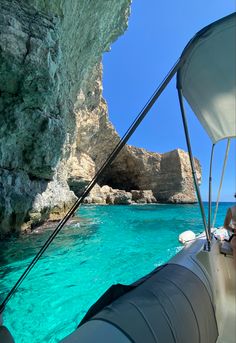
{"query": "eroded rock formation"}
[(54, 126), (110, 196), (161, 177), (49, 53)]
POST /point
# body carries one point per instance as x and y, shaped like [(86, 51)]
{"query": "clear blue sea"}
[(111, 244)]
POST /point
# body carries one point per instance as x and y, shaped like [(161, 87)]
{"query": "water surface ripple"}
[(111, 244)]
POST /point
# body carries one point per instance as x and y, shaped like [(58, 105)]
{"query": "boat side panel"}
[(223, 275)]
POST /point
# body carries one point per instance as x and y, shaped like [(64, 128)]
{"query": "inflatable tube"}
[(172, 305)]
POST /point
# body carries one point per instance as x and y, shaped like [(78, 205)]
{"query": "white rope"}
[(221, 181)]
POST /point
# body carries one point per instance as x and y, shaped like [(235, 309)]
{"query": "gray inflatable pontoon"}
[(191, 299)]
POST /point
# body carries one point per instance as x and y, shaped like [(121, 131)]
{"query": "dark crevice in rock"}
[(27, 45), (120, 180), (34, 177)]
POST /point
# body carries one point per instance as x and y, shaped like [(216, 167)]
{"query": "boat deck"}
[(222, 277), (219, 276), (227, 327)]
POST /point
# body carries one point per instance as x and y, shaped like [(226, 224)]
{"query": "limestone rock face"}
[(167, 175), (96, 136), (55, 131), (26, 202), (143, 197), (80, 170), (49, 53), (175, 183), (30, 85), (135, 168), (108, 195)]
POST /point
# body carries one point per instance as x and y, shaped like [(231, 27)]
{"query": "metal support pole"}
[(181, 103), (99, 173), (221, 181), (210, 191)]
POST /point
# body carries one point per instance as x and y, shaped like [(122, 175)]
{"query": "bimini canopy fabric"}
[(208, 77)]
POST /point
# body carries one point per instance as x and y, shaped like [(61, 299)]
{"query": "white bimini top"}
[(208, 77)]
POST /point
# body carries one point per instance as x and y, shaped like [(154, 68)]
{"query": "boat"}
[(192, 298)]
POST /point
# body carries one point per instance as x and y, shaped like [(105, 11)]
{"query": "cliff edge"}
[(54, 126)]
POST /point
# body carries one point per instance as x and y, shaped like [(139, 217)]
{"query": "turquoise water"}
[(111, 244)]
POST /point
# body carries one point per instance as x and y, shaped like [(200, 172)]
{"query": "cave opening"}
[(120, 180)]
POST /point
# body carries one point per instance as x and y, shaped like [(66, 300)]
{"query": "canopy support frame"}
[(210, 190), (137, 121), (187, 137), (221, 180)]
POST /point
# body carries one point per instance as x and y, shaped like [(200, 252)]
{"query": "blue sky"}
[(157, 33)]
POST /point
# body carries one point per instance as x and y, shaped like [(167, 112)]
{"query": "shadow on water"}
[(27, 246)]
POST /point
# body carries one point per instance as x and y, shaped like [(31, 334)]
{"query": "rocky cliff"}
[(54, 126)]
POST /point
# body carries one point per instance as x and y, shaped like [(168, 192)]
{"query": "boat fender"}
[(187, 236)]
